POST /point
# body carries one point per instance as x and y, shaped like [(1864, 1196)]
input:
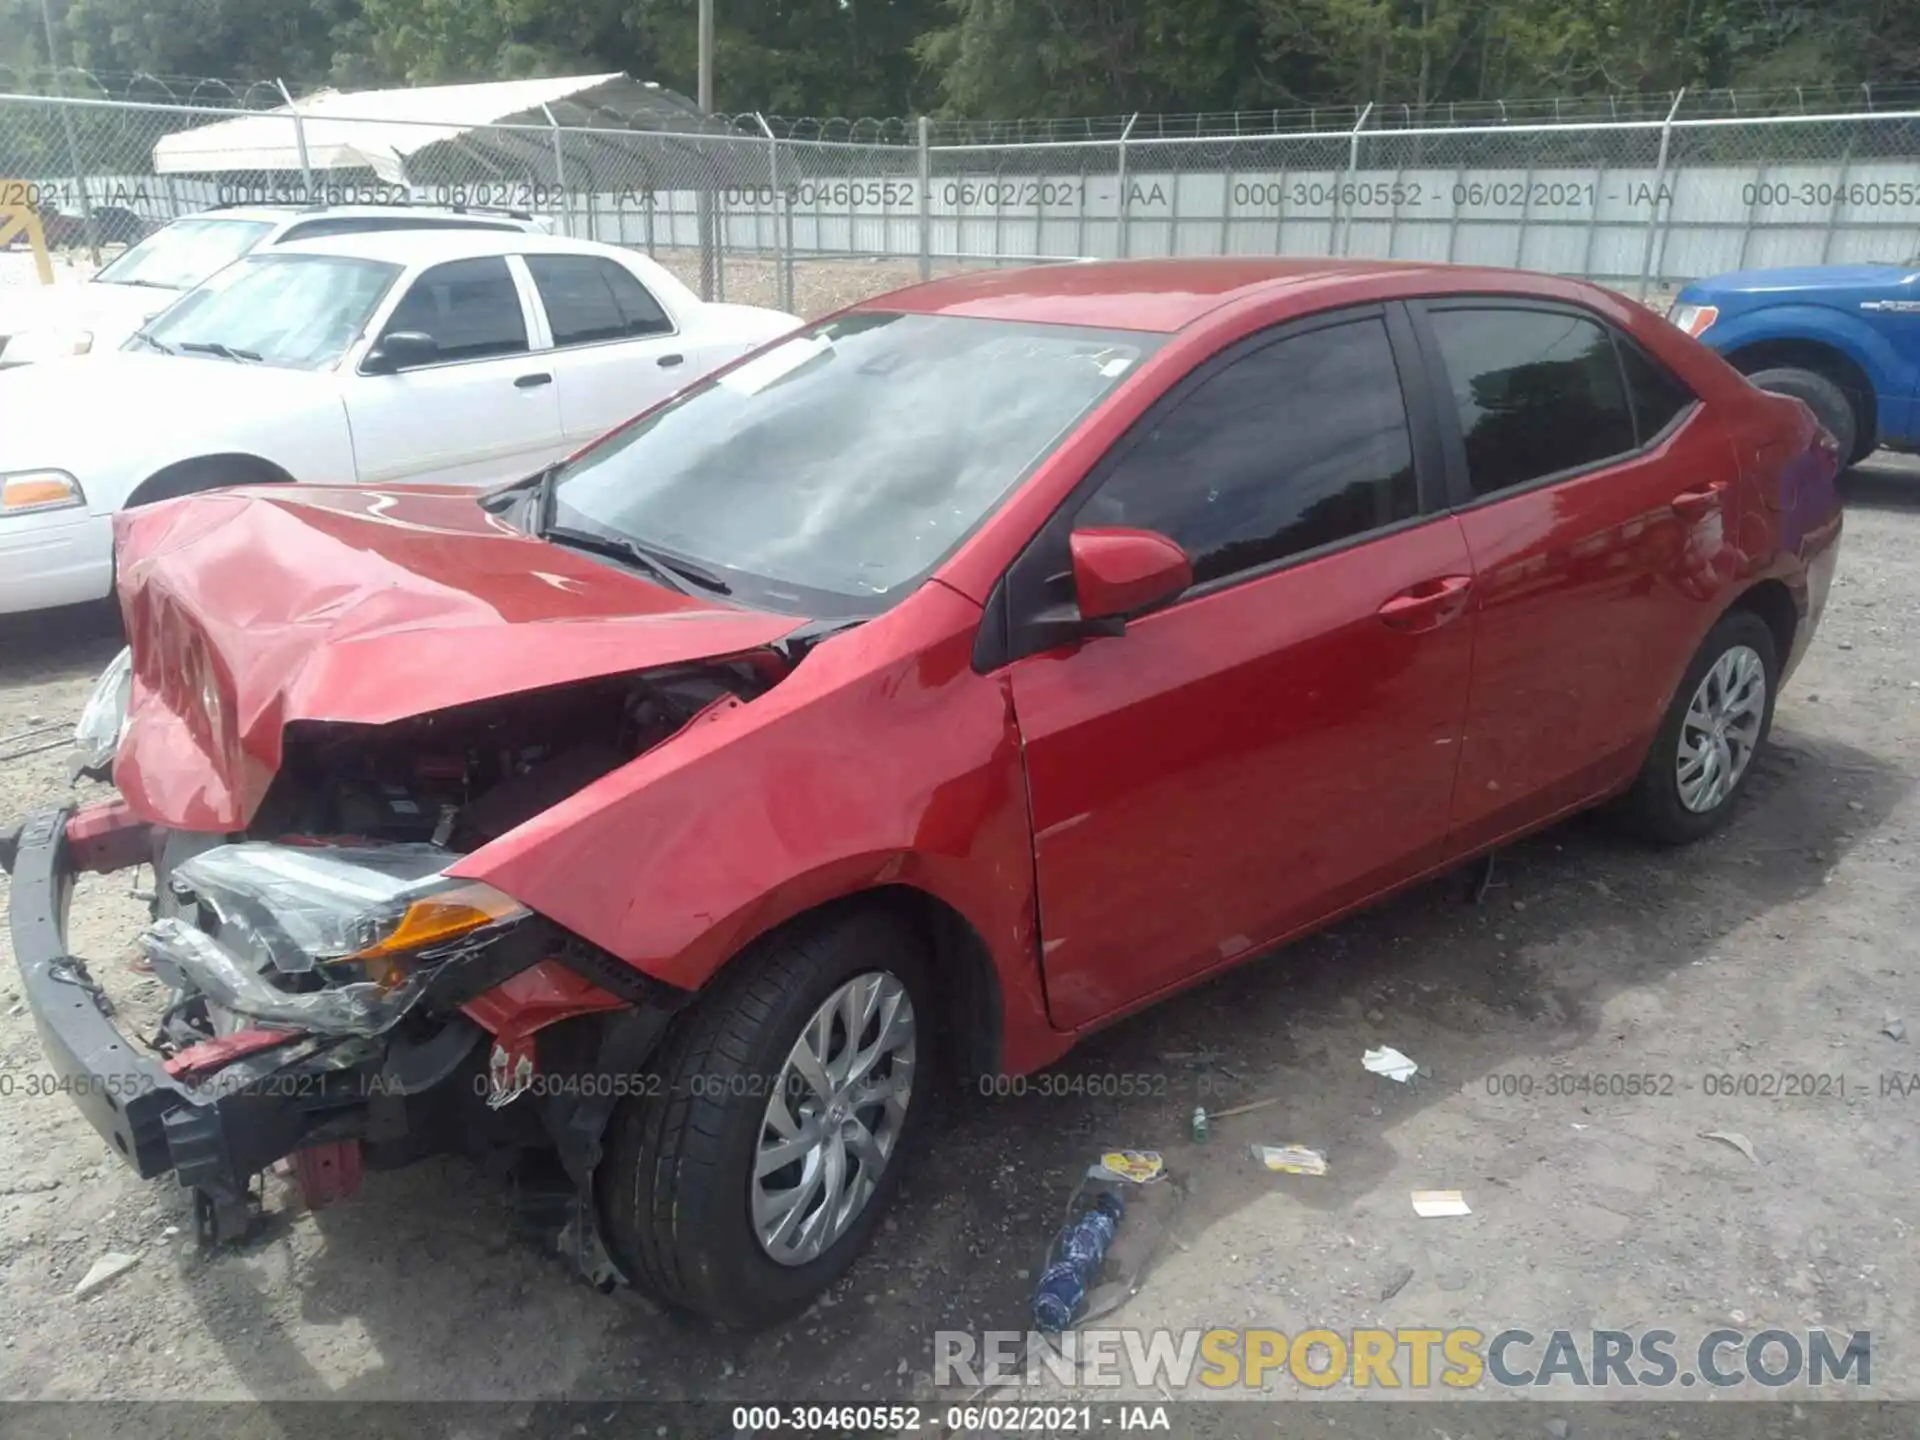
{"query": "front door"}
[(1279, 742), (483, 411)]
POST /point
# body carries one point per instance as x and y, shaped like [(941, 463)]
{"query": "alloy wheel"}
[(1721, 729), (834, 1118)]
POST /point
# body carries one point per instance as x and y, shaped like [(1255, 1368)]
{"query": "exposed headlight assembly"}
[(370, 923), (96, 739)]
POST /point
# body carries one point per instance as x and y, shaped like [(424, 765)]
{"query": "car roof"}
[(289, 214), (1166, 295), (431, 247)]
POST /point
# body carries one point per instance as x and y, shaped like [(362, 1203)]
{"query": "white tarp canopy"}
[(379, 129)]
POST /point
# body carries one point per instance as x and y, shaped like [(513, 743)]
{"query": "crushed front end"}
[(337, 1000)]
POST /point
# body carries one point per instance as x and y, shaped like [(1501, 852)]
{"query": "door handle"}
[(1698, 503), (531, 382), (1428, 605), (667, 362)]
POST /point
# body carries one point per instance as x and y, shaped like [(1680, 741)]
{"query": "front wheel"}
[(750, 1181), (1714, 725)]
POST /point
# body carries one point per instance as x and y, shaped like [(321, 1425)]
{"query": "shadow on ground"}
[(52, 644), (1883, 481)]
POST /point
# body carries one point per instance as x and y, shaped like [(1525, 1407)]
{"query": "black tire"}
[(1653, 808), (1832, 406), (674, 1183)]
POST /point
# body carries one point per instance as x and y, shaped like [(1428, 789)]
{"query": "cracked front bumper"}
[(214, 1134), (124, 1094)]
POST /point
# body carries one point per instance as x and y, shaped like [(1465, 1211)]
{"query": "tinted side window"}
[(589, 299), (1658, 394), (1294, 446), (470, 306), (643, 313), (1537, 392), (580, 305)]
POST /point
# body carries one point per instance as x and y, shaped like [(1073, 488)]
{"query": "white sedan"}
[(44, 322), (417, 356)]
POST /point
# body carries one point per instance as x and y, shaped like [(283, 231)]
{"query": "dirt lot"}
[(1781, 947)]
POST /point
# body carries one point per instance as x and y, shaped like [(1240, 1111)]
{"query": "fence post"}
[(299, 137), (560, 167), (1123, 238), (926, 199), (783, 208), (1353, 164), (704, 223), (1659, 184), (79, 175)]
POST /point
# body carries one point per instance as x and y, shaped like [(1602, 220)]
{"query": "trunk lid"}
[(250, 610)]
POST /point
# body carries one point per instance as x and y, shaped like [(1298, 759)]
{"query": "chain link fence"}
[(811, 215)]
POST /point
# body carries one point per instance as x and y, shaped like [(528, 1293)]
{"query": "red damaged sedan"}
[(936, 685)]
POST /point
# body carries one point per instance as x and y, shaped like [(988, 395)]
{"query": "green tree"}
[(799, 57)]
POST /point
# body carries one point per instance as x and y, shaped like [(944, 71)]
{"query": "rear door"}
[(1279, 741), (485, 410), (1597, 498), (616, 350)]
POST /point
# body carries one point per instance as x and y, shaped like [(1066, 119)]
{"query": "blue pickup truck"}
[(1843, 338)]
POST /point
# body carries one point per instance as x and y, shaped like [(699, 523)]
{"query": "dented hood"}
[(250, 610)]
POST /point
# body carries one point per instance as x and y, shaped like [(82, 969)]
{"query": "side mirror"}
[(1118, 572), (402, 350)]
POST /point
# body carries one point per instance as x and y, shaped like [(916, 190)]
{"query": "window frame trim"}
[(1010, 631), (1458, 479), (553, 345)]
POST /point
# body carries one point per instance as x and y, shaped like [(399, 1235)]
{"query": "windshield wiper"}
[(214, 347), (517, 492), (670, 569), (144, 338), (143, 284)]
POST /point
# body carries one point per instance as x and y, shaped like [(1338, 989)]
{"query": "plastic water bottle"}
[(1062, 1290)]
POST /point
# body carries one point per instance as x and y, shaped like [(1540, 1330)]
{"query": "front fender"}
[(309, 442), (884, 759)]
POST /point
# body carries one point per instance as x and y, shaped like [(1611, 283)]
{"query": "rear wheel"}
[(787, 1100), (1832, 406), (1714, 725)]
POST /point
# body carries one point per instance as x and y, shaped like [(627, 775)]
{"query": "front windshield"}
[(296, 311), (831, 473), (179, 256)]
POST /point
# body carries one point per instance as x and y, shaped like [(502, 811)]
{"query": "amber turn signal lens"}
[(38, 490), (434, 920)]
